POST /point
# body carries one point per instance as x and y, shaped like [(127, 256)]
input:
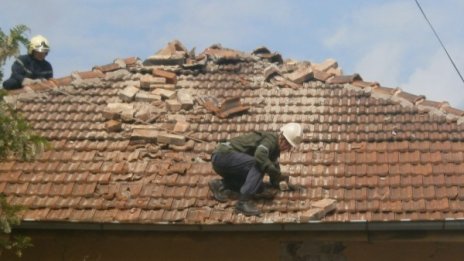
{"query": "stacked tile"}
[(369, 152)]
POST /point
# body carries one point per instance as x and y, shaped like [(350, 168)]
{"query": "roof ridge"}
[(288, 73), (408, 99)]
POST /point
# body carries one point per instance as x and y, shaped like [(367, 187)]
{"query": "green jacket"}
[(264, 146)]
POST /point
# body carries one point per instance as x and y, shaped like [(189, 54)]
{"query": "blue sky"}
[(384, 41)]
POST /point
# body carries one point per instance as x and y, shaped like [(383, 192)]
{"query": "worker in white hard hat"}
[(32, 67), (243, 161)]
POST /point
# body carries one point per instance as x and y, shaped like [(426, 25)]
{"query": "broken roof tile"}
[(344, 79), (174, 53), (265, 53), (220, 54), (169, 76), (63, 80), (129, 61), (414, 99), (385, 90), (42, 86), (452, 110), (301, 75), (109, 67), (88, 74), (321, 75), (364, 84), (325, 65), (231, 106)]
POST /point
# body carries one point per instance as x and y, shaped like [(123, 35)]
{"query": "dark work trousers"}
[(239, 171)]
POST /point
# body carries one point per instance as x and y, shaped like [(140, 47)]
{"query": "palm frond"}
[(9, 44), (17, 34)]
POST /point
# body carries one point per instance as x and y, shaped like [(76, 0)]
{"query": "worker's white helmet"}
[(293, 133), (39, 44)]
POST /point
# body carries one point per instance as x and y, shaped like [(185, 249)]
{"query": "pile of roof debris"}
[(149, 91)]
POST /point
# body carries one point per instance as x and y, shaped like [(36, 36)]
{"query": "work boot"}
[(265, 193), (246, 207), (217, 188)]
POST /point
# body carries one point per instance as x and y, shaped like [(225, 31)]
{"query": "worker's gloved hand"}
[(275, 180), (29, 81)]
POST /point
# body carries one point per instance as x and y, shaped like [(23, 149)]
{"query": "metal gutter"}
[(359, 226)]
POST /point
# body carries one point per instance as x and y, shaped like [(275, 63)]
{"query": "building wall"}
[(303, 246)]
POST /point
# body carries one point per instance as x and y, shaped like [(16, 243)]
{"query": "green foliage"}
[(17, 244), (16, 140), (9, 217), (9, 44)]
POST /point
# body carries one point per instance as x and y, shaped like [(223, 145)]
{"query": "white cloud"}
[(391, 43), (376, 23), (438, 80), (237, 24), (382, 63)]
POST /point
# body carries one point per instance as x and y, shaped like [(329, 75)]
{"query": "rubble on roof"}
[(300, 75), (270, 72), (113, 126), (265, 54), (318, 210), (231, 106), (227, 108), (157, 75), (144, 135), (63, 81), (43, 85), (344, 79), (170, 77), (274, 75), (293, 74), (88, 75), (116, 65), (219, 55), (173, 54)]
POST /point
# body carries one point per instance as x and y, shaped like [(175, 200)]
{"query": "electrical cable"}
[(439, 40)]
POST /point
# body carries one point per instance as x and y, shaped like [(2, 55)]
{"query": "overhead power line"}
[(439, 40)]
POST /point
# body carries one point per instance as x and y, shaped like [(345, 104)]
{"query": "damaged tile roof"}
[(131, 142)]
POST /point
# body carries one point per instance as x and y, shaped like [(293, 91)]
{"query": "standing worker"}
[(31, 68), (242, 162)]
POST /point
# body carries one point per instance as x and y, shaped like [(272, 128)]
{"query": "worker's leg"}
[(241, 167), (222, 163), (253, 182), (239, 171), (231, 168)]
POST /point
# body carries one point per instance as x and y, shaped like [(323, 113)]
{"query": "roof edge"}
[(362, 225)]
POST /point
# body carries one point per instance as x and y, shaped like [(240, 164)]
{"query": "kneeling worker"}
[(31, 68), (243, 161)]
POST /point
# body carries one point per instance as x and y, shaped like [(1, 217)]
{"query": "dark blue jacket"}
[(26, 66)]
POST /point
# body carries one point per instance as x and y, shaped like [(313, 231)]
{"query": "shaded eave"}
[(355, 226)]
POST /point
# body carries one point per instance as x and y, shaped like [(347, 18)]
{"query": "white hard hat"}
[(293, 133), (39, 44)]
